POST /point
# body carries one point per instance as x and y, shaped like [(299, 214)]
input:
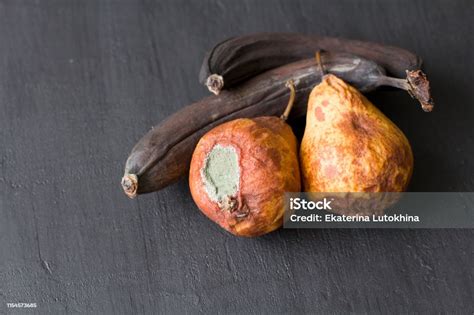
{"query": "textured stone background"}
[(82, 81)]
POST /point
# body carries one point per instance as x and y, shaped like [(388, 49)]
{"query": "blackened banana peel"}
[(238, 59)]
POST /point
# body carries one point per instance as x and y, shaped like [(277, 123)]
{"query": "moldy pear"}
[(349, 145), (240, 171)]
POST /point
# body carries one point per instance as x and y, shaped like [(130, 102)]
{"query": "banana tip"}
[(215, 83), (130, 185)]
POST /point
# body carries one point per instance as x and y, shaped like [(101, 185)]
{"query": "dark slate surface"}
[(82, 81)]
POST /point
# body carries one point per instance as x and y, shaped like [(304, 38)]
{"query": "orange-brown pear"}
[(349, 145), (241, 170)]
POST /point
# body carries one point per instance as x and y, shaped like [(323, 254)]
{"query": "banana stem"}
[(291, 85), (416, 84), (395, 82)]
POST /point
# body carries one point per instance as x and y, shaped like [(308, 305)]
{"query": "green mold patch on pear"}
[(221, 173)]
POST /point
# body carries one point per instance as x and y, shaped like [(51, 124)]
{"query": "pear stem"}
[(319, 63), (291, 85), (416, 84)]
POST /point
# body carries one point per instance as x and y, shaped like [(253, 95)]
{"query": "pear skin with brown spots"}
[(268, 165), (349, 145)]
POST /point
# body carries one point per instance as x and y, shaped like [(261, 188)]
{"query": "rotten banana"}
[(237, 59)]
